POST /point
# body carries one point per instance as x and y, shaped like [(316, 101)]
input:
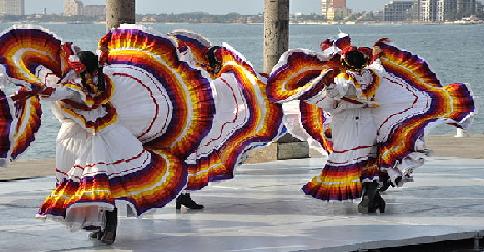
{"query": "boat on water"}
[(469, 20), (79, 22)]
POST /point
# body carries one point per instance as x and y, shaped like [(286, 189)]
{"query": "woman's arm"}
[(57, 93), (335, 88)]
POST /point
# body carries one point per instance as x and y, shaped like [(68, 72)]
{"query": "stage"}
[(263, 209)]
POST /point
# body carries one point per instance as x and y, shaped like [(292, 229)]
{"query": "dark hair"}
[(355, 59), (90, 60), (212, 59)]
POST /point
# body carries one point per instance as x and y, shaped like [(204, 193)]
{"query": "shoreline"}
[(471, 147), (250, 23)]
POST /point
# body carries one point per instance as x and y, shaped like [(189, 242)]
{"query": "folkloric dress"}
[(245, 118), (378, 114)]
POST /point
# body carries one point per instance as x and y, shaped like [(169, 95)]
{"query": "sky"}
[(210, 6)]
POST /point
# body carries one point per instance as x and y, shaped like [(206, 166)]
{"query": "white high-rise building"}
[(416, 10), (446, 10), (73, 8), (12, 7), (325, 4), (428, 10)]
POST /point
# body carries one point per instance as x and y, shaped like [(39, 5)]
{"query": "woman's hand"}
[(46, 92), (328, 77), (372, 104)]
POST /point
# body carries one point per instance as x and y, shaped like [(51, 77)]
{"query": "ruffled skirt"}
[(96, 170), (352, 161)]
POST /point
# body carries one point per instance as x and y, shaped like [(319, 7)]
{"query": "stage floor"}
[(263, 209)]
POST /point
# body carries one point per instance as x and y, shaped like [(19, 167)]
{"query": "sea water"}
[(454, 52)]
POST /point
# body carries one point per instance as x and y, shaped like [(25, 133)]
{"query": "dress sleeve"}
[(340, 95), (330, 97), (340, 87), (58, 93)]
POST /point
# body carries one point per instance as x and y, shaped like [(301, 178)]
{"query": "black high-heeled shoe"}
[(185, 200), (371, 199), (378, 203), (109, 232)]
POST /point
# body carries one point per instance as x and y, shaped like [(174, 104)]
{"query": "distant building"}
[(378, 15), (446, 10), (334, 9), (12, 7), (73, 8), (334, 14), (416, 10), (324, 8), (428, 10), (94, 10), (398, 11), (465, 8), (341, 4), (479, 10)]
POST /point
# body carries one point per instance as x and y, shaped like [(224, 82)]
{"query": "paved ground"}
[(263, 209)]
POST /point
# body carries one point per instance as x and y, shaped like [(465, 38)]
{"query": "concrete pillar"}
[(276, 31), (289, 147), (276, 42), (120, 12)]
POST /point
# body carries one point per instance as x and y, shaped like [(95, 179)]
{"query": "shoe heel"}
[(187, 202), (382, 206), (178, 204), (363, 205), (109, 234)]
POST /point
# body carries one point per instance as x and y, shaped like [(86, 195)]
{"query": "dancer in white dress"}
[(125, 131), (380, 100)]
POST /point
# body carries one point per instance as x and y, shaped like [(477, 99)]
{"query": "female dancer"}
[(126, 127), (73, 139), (380, 100), (245, 118)]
